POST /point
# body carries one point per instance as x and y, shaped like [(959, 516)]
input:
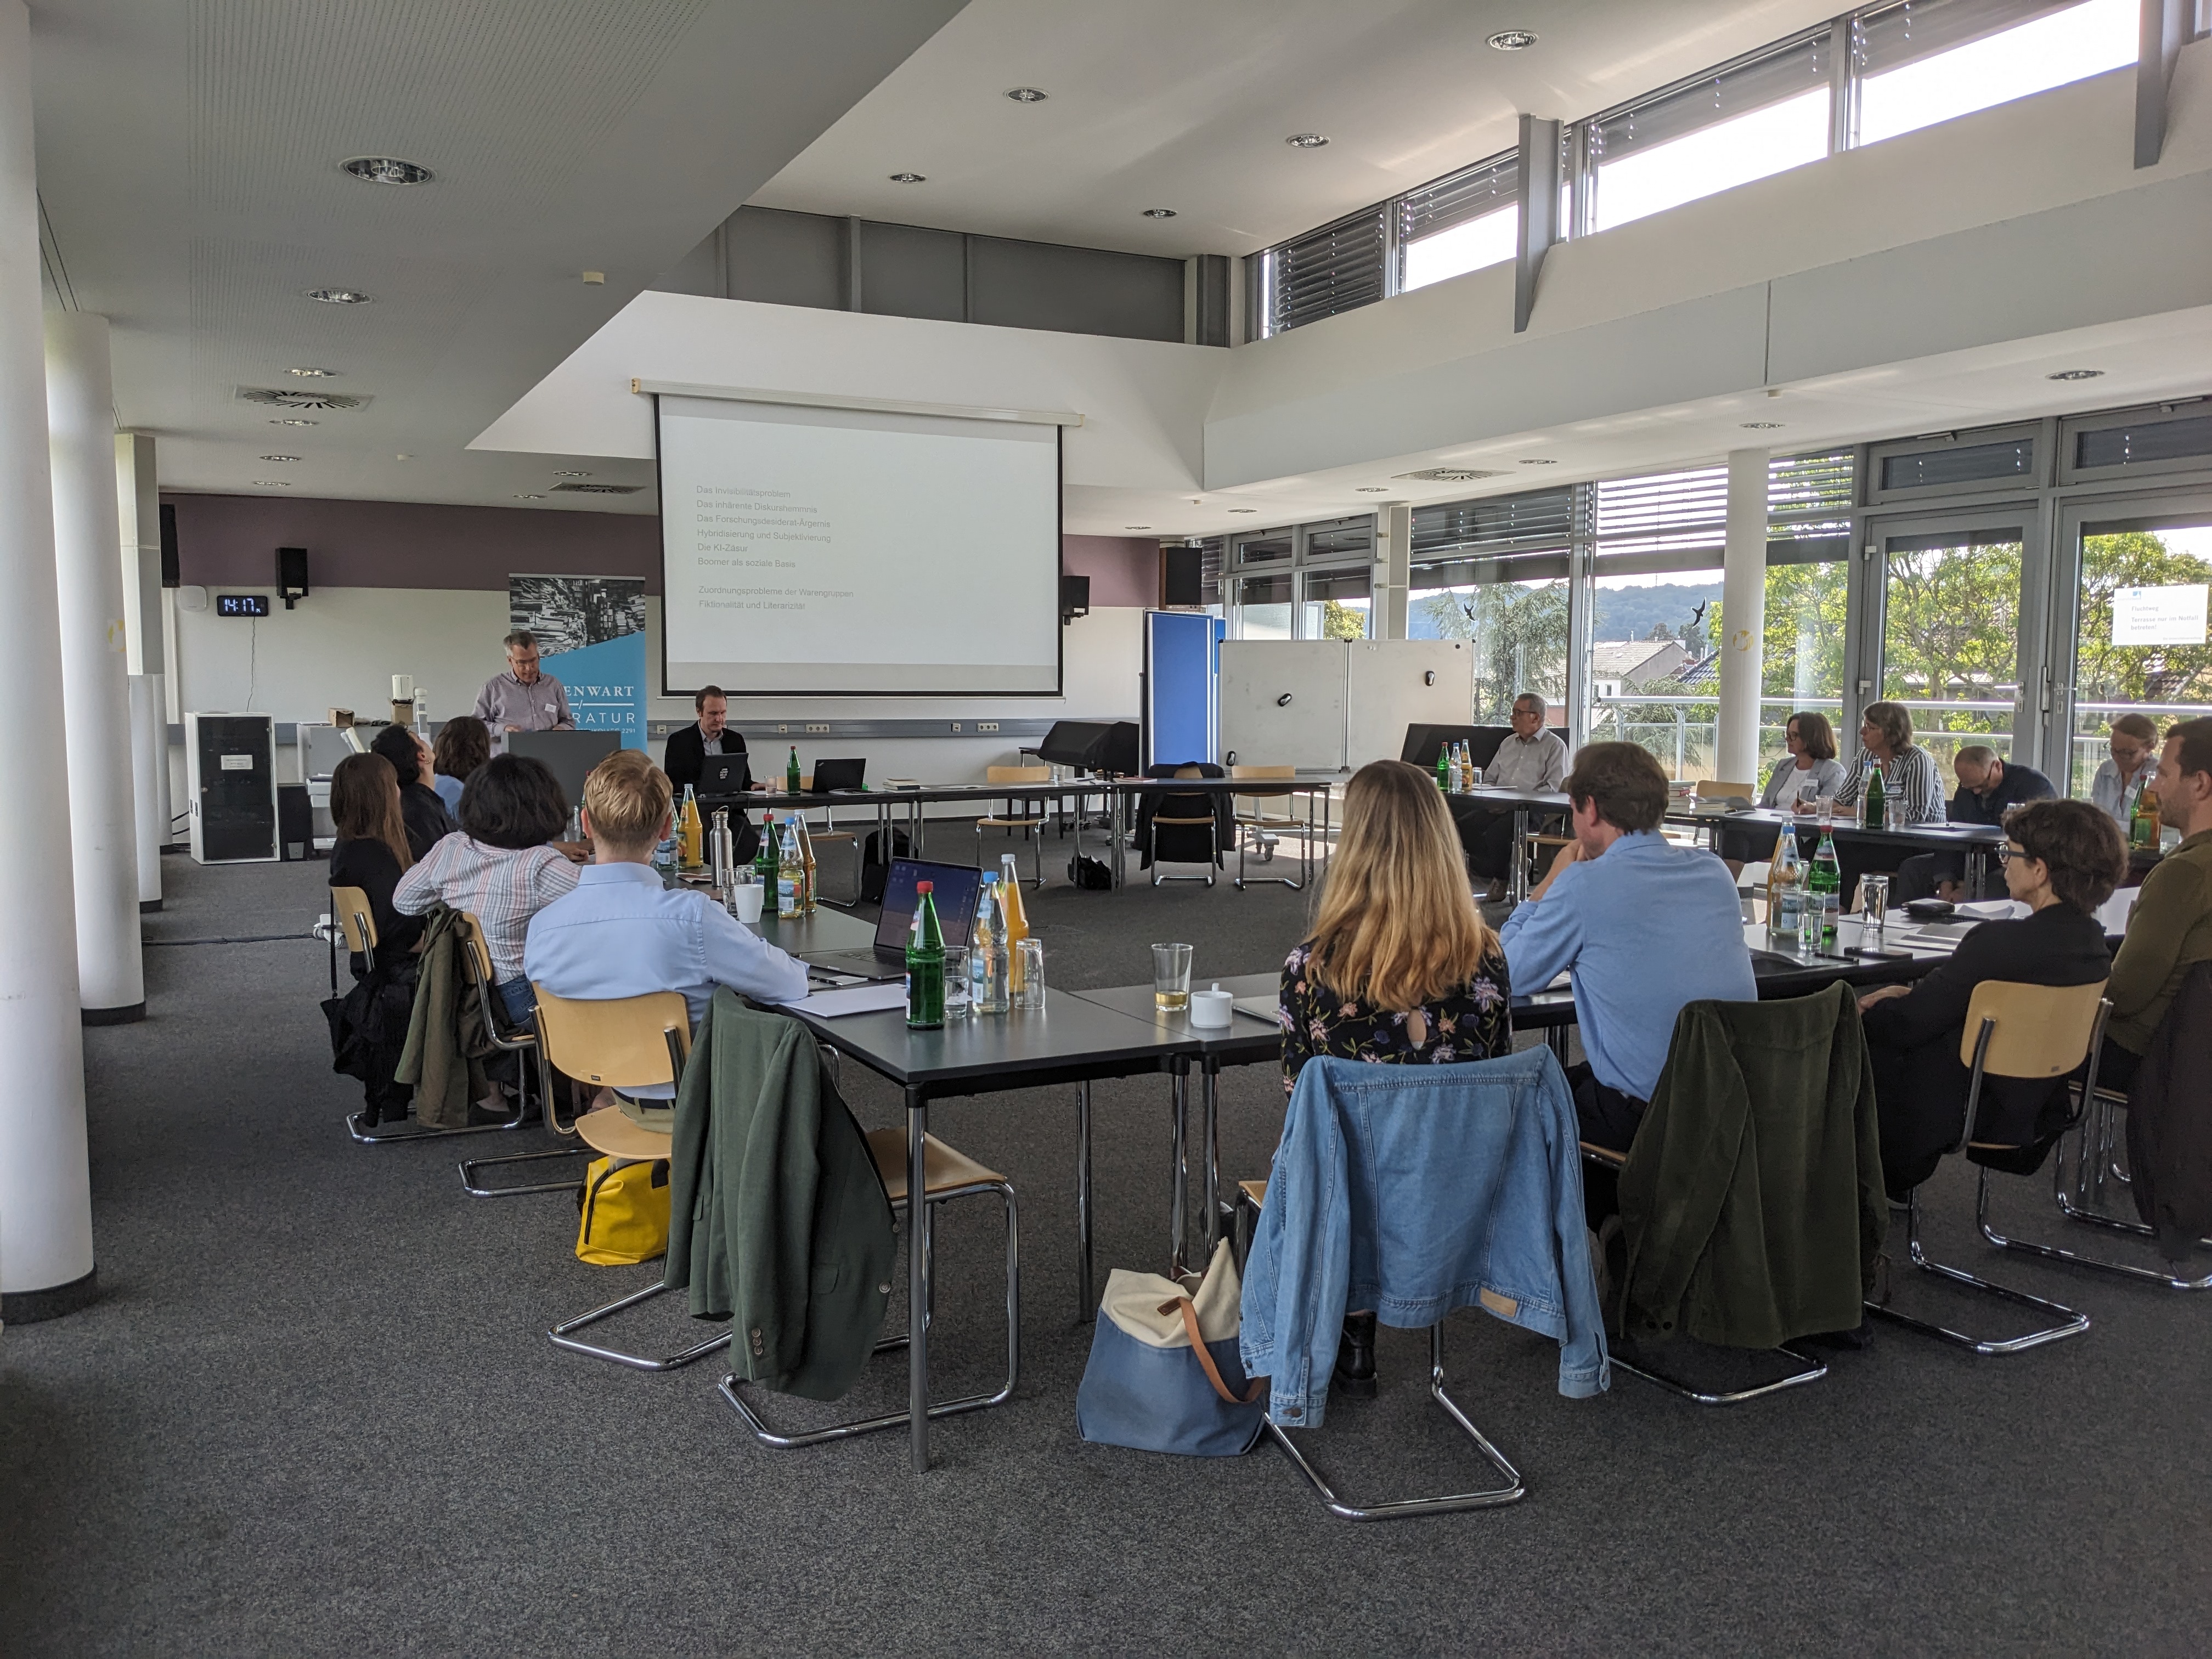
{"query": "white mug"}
[(1216, 1007), (745, 902)]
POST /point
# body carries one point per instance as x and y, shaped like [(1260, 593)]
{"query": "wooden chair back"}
[(2038, 1030), (356, 917), (618, 1042), (1255, 772), (1709, 790), (1017, 775), (479, 953)]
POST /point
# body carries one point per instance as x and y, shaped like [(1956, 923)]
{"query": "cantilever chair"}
[(520, 1040), (947, 1174), (1188, 815), (1251, 1195), (2012, 1030), (621, 1042), (1026, 816), (1256, 826), (354, 921)]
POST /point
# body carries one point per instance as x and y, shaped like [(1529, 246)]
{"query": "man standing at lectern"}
[(523, 698)]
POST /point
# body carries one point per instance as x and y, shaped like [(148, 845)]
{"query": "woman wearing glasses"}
[(2062, 859)]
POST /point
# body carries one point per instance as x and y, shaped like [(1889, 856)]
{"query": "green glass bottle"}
[(924, 964), (1875, 815), (791, 773), (1824, 892), (1445, 767)]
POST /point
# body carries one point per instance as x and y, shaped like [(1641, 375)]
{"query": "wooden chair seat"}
[(1254, 1190), (610, 1132), (943, 1167)]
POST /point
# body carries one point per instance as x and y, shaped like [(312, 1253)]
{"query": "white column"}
[(95, 678), (1743, 616), (138, 509), (1394, 543), (45, 1194)]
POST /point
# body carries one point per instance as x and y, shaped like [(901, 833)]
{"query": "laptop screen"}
[(954, 891)]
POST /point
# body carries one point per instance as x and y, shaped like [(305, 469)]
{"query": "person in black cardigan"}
[(423, 813), (372, 838), (684, 759), (2063, 859)]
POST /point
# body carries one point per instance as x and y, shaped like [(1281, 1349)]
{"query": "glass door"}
[(1952, 624), (2137, 640)]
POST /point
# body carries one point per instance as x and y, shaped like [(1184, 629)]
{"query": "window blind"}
[(1958, 463), (2138, 442), (1892, 36), (1800, 66), (1809, 507), (1459, 197), (1532, 521), (1336, 268)]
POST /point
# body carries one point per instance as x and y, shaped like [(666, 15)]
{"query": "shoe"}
[(1497, 893), (1355, 1356)]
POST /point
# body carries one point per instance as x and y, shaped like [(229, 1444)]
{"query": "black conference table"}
[(1472, 810), (1976, 841)]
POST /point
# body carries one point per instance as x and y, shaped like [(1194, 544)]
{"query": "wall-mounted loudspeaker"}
[(172, 572), (1181, 581), (292, 574), (1074, 597)]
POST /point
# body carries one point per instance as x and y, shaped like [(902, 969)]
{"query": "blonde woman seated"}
[(1401, 969)]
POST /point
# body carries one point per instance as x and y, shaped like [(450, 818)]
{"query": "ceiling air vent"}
[(596, 489), (300, 398), (1448, 475)]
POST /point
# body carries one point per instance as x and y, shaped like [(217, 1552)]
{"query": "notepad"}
[(852, 1000)]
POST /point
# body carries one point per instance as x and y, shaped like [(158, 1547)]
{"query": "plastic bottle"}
[(791, 773), (790, 874), (1876, 802), (1785, 894), (1016, 920), (689, 832), (664, 856), (806, 866), (987, 950), (925, 963), (1824, 893)]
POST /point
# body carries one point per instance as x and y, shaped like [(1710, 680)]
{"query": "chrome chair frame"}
[(525, 1041), (1405, 1508), (2070, 1322)]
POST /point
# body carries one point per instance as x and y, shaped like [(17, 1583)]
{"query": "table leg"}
[(1556, 1036), (1086, 1302), (1977, 869), (1516, 880), (917, 1280), (1211, 1130), (1117, 855), (1179, 1166)]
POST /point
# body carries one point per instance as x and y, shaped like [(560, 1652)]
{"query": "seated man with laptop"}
[(691, 749), (620, 933), (954, 891)]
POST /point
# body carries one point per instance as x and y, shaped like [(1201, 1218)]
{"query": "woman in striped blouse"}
[(1911, 792)]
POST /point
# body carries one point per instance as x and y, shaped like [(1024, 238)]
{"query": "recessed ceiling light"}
[(529, 498), (1373, 489), (1305, 141), (1513, 39), (295, 420), (1243, 509), (280, 458), (1540, 460), (2076, 375), (311, 374), (271, 483), (1026, 95), (385, 170), (1759, 426), (909, 178), (572, 475), (1160, 213), (1136, 526), (338, 296)]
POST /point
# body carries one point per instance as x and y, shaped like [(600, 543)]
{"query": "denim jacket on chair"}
[(1415, 1190)]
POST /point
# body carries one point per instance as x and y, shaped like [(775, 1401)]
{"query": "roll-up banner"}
[(591, 637)]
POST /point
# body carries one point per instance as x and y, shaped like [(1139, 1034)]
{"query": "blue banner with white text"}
[(591, 637)]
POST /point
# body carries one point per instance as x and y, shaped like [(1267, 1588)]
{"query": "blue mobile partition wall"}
[(1183, 688)]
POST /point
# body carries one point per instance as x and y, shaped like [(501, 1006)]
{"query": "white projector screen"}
[(838, 551)]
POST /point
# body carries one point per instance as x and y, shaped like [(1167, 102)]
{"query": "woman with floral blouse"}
[(1401, 969)]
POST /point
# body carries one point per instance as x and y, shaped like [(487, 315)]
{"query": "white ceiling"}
[(1164, 103), (188, 164)]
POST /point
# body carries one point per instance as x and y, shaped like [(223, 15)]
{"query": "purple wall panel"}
[(1124, 570)]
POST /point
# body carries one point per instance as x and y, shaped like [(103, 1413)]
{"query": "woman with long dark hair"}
[(463, 744), (372, 852)]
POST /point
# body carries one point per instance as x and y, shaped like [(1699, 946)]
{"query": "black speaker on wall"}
[(173, 574), (292, 574), (1181, 577), (1074, 597)]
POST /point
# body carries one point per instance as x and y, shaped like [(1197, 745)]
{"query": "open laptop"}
[(955, 893), (831, 775), (725, 775)]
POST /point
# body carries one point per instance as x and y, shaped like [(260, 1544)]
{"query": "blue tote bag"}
[(1164, 1373)]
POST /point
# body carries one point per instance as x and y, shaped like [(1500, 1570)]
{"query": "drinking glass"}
[(1029, 981), (957, 1003), (1474, 777), (1873, 909), (1171, 978)]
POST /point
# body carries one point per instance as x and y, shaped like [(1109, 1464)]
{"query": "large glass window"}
[(1263, 607), (1745, 123), (2140, 643), (1336, 605), (1950, 636), (1514, 612), (1925, 61), (1654, 615), (1462, 223)]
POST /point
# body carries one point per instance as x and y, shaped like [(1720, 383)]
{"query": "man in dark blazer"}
[(685, 758)]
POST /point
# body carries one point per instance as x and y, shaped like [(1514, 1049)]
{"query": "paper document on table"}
[(852, 1000), (1992, 910), (1564, 981)]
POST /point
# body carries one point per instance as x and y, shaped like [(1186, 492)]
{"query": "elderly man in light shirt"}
[(523, 698), (1534, 757)]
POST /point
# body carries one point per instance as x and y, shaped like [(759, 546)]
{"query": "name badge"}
[(549, 708)]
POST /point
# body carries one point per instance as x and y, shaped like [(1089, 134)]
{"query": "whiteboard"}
[(1282, 703), (1390, 690)]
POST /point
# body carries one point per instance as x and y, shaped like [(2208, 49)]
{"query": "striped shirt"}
[(503, 887), (1911, 789)]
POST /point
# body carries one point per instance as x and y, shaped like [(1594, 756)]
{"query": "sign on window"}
[(2158, 616)]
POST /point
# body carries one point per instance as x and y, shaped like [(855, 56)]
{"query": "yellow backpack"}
[(625, 1213)]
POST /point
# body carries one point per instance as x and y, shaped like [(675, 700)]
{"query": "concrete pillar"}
[(45, 1190), (138, 509), (95, 677), (1394, 546), (1743, 618)]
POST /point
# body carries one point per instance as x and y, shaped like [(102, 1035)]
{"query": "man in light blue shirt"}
[(1642, 925), (621, 934)]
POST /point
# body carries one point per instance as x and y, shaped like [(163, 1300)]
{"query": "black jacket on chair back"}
[(2170, 1121)]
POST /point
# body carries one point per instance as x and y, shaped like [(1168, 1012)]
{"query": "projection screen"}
[(809, 550)]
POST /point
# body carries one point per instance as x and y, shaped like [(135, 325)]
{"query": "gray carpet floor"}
[(314, 1411)]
